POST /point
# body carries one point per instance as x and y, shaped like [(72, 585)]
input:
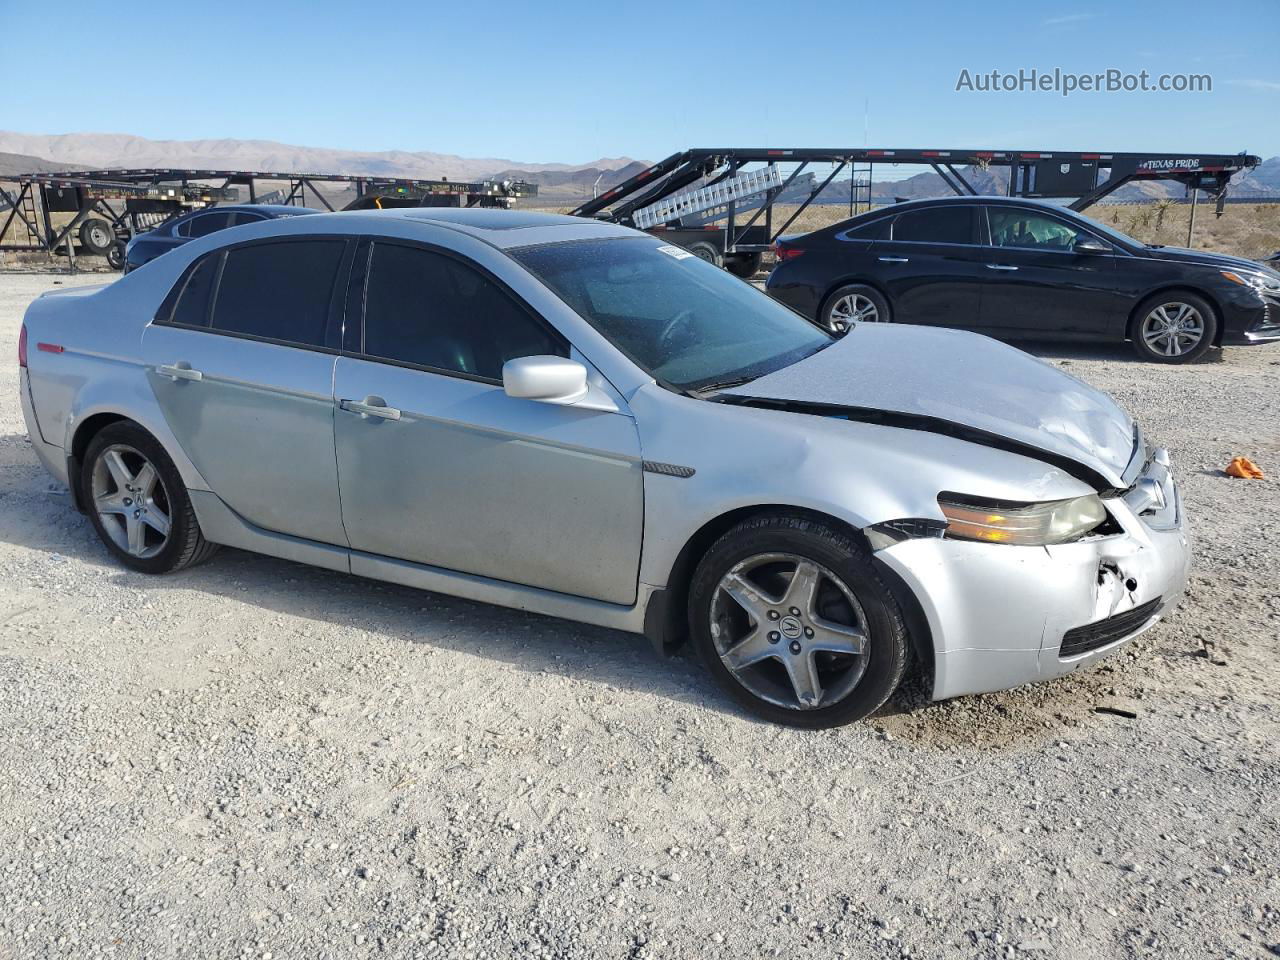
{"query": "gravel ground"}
[(256, 758)]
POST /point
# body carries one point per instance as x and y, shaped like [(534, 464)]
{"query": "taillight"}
[(783, 252), (22, 346)]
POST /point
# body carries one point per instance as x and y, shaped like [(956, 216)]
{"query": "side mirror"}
[(555, 380), (1092, 247)]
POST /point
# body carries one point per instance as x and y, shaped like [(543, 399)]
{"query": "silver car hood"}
[(939, 378)]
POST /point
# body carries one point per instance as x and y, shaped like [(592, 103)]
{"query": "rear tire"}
[(850, 304), (744, 265), (706, 251), (783, 606), (115, 256), (97, 236), (1176, 327), (138, 503)]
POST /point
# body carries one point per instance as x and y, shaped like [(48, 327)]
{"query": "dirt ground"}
[(259, 759)]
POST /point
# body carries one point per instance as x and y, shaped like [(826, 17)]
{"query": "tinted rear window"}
[(278, 291), (937, 225), (192, 308), (204, 224), (876, 230)]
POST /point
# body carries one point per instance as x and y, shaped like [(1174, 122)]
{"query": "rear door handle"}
[(893, 260), (179, 371), (370, 407), (1000, 266)]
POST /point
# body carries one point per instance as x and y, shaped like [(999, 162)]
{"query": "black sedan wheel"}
[(855, 303), (1174, 328)]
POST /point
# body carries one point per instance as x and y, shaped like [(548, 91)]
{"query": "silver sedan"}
[(573, 418)]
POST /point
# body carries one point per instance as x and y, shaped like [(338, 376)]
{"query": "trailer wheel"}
[(706, 251), (115, 256), (744, 265), (97, 236)]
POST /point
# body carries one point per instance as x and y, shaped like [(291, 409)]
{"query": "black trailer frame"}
[(1032, 173), (153, 195)]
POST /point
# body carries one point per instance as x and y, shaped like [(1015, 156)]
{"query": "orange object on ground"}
[(1244, 468)]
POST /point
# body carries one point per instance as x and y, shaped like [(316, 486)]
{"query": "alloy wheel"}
[(850, 309), (1173, 329), (789, 631), (131, 501)]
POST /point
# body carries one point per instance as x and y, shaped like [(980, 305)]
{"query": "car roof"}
[(270, 209), (505, 229), (980, 198)]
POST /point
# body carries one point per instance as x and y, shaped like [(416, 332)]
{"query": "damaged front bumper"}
[(1001, 616)]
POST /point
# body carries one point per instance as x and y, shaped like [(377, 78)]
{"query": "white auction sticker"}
[(680, 253)]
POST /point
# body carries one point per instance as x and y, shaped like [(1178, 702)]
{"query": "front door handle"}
[(1000, 266), (179, 371), (370, 407), (893, 260)]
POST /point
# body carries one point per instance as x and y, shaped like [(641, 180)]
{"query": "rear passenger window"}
[(278, 291), (935, 225), (431, 310), (192, 307), (204, 224)]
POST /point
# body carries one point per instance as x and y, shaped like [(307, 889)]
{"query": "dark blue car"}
[(145, 247)]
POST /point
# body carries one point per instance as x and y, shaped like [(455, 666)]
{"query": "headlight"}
[(1025, 524), (1256, 280)]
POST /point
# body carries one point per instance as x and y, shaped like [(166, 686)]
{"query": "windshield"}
[(682, 320)]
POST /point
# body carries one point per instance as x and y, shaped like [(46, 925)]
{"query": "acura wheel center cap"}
[(790, 627)]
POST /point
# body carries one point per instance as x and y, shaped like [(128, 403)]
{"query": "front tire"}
[(850, 304), (1175, 327), (138, 503), (790, 617)]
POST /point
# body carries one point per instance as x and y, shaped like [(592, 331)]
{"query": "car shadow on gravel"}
[(1107, 352), (41, 518)]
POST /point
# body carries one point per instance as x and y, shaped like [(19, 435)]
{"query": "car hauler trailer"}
[(695, 198), (108, 207)]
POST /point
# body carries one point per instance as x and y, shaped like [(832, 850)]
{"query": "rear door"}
[(241, 361), (930, 266), (439, 466), (1037, 284)]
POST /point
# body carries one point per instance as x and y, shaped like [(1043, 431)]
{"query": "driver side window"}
[(1028, 230), (429, 310)]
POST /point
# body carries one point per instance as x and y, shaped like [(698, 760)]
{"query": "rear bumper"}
[(999, 614), (51, 456)]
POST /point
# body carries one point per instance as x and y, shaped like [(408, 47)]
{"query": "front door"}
[(437, 465), (239, 364), (1037, 284)]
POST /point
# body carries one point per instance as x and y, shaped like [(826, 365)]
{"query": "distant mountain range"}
[(101, 150)]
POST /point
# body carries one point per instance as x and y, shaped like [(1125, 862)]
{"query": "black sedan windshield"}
[(683, 321)]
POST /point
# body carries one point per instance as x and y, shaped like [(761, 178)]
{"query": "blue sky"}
[(574, 81)]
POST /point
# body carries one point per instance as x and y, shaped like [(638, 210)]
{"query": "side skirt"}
[(223, 525)]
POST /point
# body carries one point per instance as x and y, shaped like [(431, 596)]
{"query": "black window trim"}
[(163, 315), (1048, 215), (974, 233), (519, 301)]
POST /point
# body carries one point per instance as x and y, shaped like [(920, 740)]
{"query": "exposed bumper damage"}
[(998, 614)]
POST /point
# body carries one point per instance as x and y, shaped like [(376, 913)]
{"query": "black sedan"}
[(1014, 269), (174, 232)]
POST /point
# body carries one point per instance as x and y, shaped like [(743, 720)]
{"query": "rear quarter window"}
[(191, 308)]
